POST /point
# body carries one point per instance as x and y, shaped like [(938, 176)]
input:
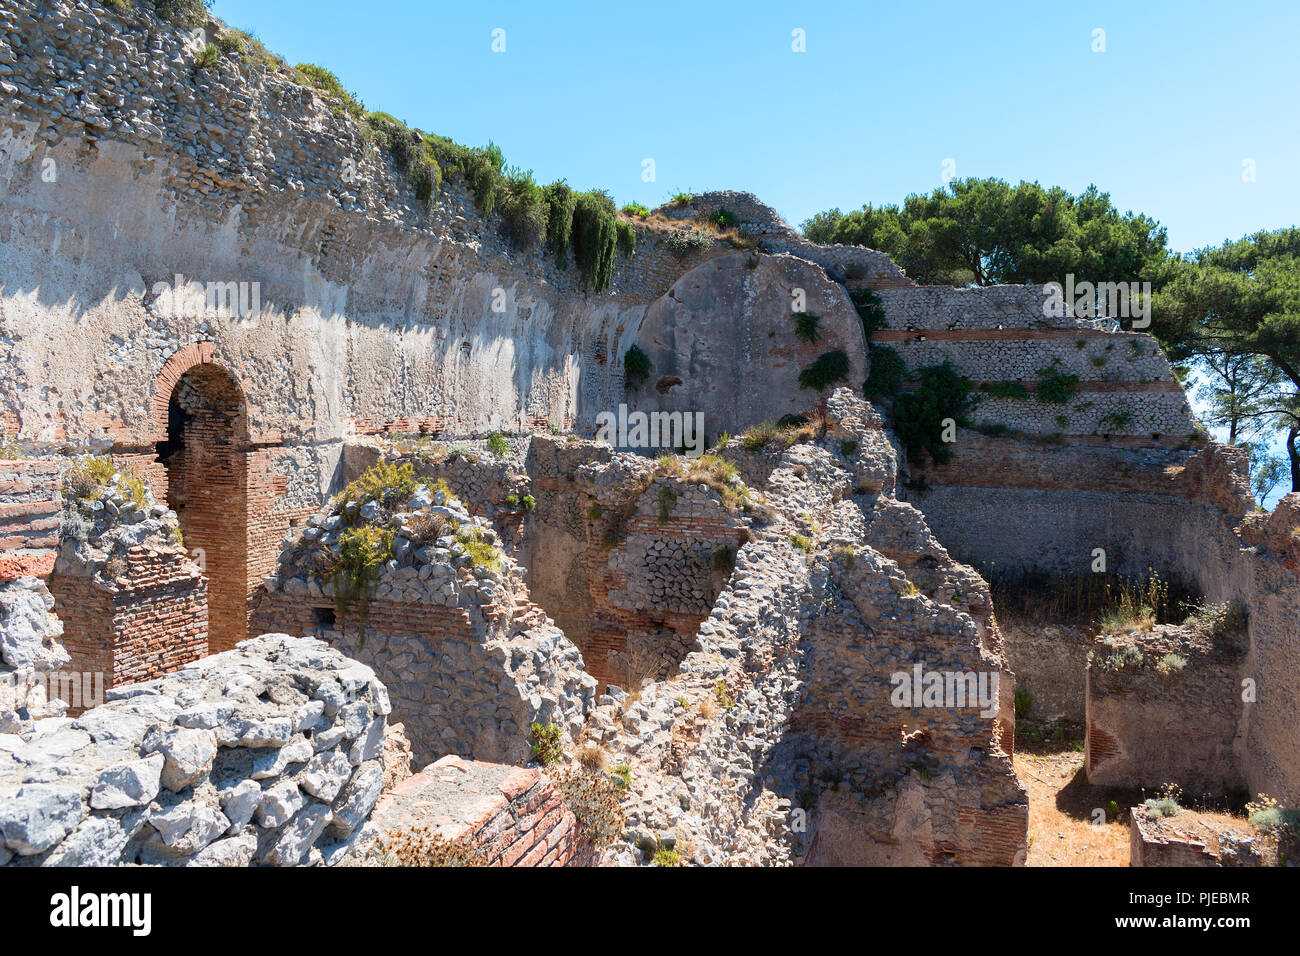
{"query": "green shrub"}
[(481, 554), (635, 209), (803, 543), (726, 700), (871, 311), (547, 742), (249, 49), (621, 777), (498, 444), (1267, 815), (919, 415), (1220, 620), (682, 242), (724, 218), (186, 14), (483, 175), (1171, 663), (1013, 390), (682, 199), (595, 238), (886, 374), (830, 367), (560, 203), (89, 477), (207, 58), (1163, 807), (1117, 421), (1056, 388), (322, 80), (524, 209), (1024, 701), (664, 857), (362, 552), (626, 239), (636, 366), (1134, 604), (805, 326), (384, 482), (410, 152), (529, 502)]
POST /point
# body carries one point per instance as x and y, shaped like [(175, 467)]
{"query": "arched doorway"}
[(206, 458)]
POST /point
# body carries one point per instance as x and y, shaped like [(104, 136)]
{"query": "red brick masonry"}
[(513, 814)]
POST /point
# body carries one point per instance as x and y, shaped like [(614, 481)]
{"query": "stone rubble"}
[(272, 753)]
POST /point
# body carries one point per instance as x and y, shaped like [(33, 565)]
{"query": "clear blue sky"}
[(1163, 119), (1185, 91)]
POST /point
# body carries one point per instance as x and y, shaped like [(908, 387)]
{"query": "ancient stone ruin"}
[(314, 549)]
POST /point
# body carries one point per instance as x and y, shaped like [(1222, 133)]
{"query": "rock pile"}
[(270, 753)]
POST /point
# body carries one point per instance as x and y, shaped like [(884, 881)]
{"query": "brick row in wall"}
[(150, 621), (30, 504)]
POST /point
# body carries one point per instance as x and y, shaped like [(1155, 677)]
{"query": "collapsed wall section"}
[(30, 651), (780, 739), (134, 605), (1165, 706), (446, 621), (628, 555), (496, 814)]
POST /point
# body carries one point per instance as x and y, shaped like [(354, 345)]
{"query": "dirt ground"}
[(1063, 805)]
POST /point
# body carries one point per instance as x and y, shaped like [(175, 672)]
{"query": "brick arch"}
[(182, 361), (202, 415)]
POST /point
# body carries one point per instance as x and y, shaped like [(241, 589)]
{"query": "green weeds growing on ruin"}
[(829, 368), (636, 367), (805, 326), (547, 742)]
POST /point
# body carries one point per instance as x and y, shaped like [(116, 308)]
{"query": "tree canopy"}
[(1234, 311), (986, 232)]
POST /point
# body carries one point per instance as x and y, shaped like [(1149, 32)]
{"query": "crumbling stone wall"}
[(777, 741), (722, 341), (1190, 839), (30, 653), (1165, 707), (471, 662), (134, 605), (267, 754), (630, 561)]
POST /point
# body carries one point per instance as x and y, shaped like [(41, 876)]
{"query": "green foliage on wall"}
[(636, 366), (887, 373), (871, 311), (919, 415), (595, 238), (830, 367), (805, 326), (1056, 388)]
